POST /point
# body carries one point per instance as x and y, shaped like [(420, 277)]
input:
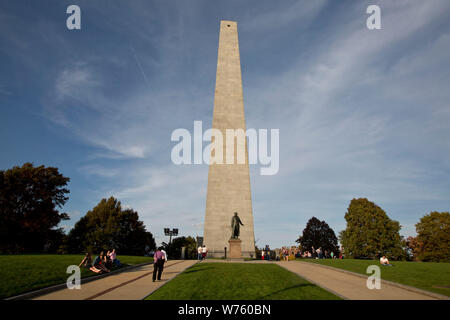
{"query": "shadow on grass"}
[(286, 289), (197, 269)]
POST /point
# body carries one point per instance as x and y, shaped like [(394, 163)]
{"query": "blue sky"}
[(361, 113)]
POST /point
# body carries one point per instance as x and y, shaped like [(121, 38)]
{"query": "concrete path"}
[(135, 284), (348, 285)]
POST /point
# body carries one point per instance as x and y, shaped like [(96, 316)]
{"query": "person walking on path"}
[(199, 253), (158, 264), (204, 252), (166, 258)]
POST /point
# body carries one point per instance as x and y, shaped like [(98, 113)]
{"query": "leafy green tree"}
[(433, 233), (318, 234), (77, 241), (109, 226), (29, 201), (174, 250), (370, 233)]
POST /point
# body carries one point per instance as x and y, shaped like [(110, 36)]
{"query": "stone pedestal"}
[(235, 249)]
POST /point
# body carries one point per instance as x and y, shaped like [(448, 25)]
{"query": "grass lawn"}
[(23, 273), (430, 276), (239, 281)]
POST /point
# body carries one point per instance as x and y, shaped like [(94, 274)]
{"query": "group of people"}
[(265, 253), (102, 263), (321, 254), (202, 252), (312, 254)]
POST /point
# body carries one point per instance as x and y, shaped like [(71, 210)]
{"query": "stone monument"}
[(228, 184)]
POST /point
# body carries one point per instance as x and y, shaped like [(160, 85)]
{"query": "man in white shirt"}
[(165, 255), (384, 261), (204, 252)]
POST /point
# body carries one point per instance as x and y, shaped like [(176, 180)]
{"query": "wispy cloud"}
[(360, 112)]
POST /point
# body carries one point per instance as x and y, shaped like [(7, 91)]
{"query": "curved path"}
[(135, 284), (346, 284), (353, 286)]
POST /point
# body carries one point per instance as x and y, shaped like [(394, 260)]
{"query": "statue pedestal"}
[(235, 249)]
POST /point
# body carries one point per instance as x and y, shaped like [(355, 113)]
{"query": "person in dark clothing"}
[(99, 263), (158, 264)]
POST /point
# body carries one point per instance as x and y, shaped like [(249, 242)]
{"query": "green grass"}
[(430, 276), (24, 273), (239, 281)]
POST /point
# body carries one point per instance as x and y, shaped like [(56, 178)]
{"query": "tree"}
[(413, 247), (29, 198), (109, 226), (433, 233), (318, 234), (370, 233), (174, 250)]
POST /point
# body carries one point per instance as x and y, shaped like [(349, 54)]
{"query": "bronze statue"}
[(235, 226)]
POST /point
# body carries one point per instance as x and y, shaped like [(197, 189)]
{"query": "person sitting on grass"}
[(107, 260), (99, 262), (385, 262), (87, 263), (113, 257)]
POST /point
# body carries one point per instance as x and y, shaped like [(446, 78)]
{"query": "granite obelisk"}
[(228, 184)]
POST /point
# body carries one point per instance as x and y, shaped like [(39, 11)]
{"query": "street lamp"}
[(170, 233)]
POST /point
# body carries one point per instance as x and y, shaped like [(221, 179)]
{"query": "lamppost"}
[(170, 233)]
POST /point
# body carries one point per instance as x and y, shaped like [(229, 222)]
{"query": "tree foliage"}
[(370, 233), (29, 199), (433, 235), (413, 248), (109, 226), (318, 234), (174, 250)]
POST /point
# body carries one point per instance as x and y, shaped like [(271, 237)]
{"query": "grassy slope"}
[(422, 275), (23, 273), (239, 281)]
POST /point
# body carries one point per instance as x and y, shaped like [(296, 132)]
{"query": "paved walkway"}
[(134, 284), (137, 283), (349, 286), (344, 284)]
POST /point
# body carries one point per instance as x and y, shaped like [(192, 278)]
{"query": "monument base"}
[(235, 249)]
